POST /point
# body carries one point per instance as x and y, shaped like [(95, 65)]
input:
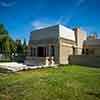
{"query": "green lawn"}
[(64, 83)]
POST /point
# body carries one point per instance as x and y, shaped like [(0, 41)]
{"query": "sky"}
[(20, 17)]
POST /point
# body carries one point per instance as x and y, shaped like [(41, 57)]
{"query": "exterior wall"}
[(45, 33), (62, 38), (97, 51), (66, 33), (85, 60), (35, 60), (52, 36), (94, 51), (56, 57), (42, 43), (66, 49), (93, 45), (57, 31), (80, 36)]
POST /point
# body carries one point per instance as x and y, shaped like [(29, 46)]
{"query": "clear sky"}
[(20, 17)]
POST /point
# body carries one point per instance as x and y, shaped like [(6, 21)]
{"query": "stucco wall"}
[(85, 60), (35, 60), (66, 33), (42, 43), (80, 37), (65, 50), (97, 51), (45, 33), (56, 32)]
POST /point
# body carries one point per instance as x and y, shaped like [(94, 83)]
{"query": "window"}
[(83, 51), (86, 51), (41, 52), (73, 50)]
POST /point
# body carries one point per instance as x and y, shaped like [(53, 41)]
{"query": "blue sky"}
[(20, 17)]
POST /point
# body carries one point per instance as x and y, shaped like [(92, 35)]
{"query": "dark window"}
[(41, 52), (86, 51), (73, 50), (83, 51), (44, 52)]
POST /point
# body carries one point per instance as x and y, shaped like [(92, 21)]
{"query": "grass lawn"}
[(70, 82)]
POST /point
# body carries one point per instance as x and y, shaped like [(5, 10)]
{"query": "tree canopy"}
[(6, 42), (8, 46)]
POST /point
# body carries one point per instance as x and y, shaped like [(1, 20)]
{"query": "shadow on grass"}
[(96, 94), (85, 65), (4, 71)]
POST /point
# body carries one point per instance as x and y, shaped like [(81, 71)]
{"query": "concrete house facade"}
[(92, 46), (53, 45)]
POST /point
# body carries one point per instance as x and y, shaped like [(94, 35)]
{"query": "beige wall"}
[(85, 60), (65, 50), (93, 50), (80, 37), (97, 51), (35, 60), (45, 33), (94, 45), (42, 43), (66, 33), (61, 38)]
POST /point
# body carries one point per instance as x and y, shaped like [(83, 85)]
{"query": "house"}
[(54, 44), (92, 46)]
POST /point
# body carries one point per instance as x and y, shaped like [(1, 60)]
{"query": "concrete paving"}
[(14, 66)]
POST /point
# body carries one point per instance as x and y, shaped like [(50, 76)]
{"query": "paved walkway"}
[(14, 66)]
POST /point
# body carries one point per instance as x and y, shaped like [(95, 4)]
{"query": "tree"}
[(3, 31), (24, 47), (3, 36), (19, 47), (8, 46), (6, 42)]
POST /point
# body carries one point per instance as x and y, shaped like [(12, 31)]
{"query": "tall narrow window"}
[(41, 51), (86, 51), (73, 50)]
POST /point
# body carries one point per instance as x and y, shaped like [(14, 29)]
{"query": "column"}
[(49, 50)]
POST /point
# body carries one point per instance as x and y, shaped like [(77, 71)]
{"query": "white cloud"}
[(7, 4), (38, 24), (66, 19)]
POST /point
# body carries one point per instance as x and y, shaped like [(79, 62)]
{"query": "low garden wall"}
[(85, 60)]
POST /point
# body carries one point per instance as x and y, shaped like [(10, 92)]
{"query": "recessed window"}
[(41, 52)]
